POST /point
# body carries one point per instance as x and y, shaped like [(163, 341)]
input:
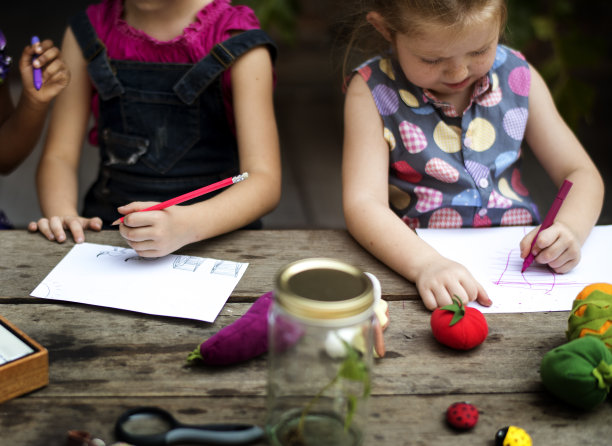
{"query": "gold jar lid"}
[(323, 288)]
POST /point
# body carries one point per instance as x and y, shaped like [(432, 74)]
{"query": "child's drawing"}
[(187, 263), (492, 255), (226, 268), (506, 272), (115, 252), (173, 285)]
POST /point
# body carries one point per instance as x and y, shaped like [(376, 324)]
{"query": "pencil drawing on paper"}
[(506, 272), (115, 252), (118, 252), (187, 263), (116, 277), (144, 259), (226, 268)]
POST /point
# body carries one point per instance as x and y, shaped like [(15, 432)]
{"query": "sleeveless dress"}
[(448, 170)]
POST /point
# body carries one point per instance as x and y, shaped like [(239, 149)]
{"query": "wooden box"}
[(24, 364)]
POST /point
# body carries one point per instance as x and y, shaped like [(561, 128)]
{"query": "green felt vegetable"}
[(591, 314), (579, 372)]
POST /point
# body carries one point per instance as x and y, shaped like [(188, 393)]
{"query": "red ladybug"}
[(458, 326), (462, 415)]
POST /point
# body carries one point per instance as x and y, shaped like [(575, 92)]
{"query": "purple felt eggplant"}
[(244, 339)]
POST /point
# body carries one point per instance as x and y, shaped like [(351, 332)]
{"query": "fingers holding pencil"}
[(157, 233), (130, 208), (164, 227), (191, 195)]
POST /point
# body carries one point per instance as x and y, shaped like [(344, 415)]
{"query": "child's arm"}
[(375, 226), (563, 157), (157, 233), (22, 125), (57, 177)]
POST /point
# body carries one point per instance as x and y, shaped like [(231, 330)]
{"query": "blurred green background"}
[(568, 42)]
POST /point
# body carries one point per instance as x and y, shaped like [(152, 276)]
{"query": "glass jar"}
[(320, 333)]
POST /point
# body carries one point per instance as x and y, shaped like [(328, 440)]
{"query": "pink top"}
[(213, 24)]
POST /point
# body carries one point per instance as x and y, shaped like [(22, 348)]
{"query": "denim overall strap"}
[(221, 57), (94, 52)]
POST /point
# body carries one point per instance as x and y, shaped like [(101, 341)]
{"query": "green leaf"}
[(350, 411), (352, 366), (456, 307)]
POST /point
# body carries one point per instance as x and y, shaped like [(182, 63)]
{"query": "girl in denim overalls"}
[(433, 139), (182, 95)]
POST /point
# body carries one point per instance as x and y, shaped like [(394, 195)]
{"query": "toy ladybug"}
[(462, 415), (512, 436)]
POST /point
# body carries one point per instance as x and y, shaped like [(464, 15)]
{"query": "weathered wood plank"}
[(97, 352), (397, 420), (27, 258), (103, 361)]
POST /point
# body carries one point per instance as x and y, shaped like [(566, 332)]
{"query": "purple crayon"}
[(548, 220), (5, 60), (36, 72)]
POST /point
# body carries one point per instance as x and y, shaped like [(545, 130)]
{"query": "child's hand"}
[(440, 279), (54, 228), (557, 246), (55, 74), (153, 233)]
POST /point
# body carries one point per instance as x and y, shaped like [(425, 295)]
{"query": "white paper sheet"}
[(492, 256), (174, 285)]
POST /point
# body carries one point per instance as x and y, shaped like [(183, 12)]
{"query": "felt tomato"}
[(458, 326), (462, 415)]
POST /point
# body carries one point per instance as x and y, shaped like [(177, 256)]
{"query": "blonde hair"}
[(412, 17)]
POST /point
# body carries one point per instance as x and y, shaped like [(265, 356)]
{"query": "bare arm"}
[(21, 126), (157, 233), (563, 157), (374, 225), (57, 176)]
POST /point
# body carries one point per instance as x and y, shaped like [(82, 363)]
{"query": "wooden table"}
[(104, 361)]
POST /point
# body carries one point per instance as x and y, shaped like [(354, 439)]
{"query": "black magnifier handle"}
[(211, 434)]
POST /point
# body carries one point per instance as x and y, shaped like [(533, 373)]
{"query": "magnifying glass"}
[(151, 426)]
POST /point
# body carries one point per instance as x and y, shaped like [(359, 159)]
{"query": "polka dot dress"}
[(449, 170)]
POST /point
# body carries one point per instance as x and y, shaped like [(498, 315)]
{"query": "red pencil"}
[(195, 193)]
